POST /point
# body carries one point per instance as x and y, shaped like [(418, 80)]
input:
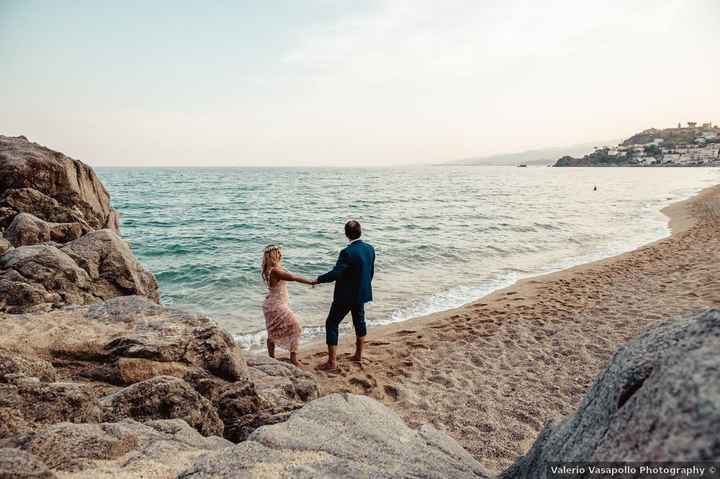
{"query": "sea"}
[(444, 235)]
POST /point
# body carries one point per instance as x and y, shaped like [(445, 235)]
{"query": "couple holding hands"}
[(352, 274)]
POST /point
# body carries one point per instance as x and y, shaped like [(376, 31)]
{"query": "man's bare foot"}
[(356, 359), (328, 366)]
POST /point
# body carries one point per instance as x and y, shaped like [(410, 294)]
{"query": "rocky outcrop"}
[(341, 435), (71, 183), (165, 397), (27, 229), (56, 213), (131, 340), (96, 267), (658, 400), (123, 449)]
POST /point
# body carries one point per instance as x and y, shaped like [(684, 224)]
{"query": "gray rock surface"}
[(27, 229), (96, 267), (39, 277), (658, 400), (30, 200), (15, 464), (164, 397), (71, 183), (341, 436), (122, 449), (112, 268)]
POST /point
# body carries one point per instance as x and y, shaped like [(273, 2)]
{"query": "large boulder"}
[(27, 229), (658, 400), (275, 391), (112, 267), (164, 397), (341, 435), (71, 183), (40, 277), (94, 268), (100, 336), (122, 449)]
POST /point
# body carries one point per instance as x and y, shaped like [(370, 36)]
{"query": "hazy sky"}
[(349, 82)]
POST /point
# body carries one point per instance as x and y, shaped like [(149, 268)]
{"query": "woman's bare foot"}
[(295, 360), (271, 348)]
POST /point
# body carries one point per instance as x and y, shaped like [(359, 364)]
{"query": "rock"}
[(341, 435), (96, 267), (281, 383), (112, 267), (71, 183), (33, 403), (15, 464), (5, 246), (658, 400), (32, 201), (134, 370), (27, 229), (165, 397), (130, 327), (13, 363), (40, 277), (126, 448)]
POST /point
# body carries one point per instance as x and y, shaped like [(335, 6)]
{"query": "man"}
[(352, 274)]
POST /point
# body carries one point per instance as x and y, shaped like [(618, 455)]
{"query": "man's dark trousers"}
[(337, 314)]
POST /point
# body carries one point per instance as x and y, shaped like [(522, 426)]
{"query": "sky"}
[(349, 82)]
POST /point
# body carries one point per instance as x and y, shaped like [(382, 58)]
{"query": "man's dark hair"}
[(353, 230)]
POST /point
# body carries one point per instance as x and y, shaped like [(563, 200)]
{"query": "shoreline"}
[(254, 342), (678, 220), (538, 331)]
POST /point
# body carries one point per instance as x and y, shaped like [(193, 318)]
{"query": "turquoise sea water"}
[(444, 236)]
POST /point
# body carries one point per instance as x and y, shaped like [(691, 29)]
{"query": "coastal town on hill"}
[(691, 145)]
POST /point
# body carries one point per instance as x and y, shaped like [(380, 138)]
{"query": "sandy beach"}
[(492, 372)]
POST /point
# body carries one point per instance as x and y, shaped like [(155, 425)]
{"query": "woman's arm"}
[(288, 276)]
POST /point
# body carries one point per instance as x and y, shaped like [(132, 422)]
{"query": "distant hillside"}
[(541, 156), (691, 145)]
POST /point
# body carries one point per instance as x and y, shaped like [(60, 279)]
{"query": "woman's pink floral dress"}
[(283, 327)]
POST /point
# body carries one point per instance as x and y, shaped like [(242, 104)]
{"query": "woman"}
[(283, 327)]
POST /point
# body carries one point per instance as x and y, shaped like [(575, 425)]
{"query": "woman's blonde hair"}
[(271, 258)]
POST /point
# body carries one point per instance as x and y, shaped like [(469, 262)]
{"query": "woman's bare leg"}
[(271, 348), (295, 360)]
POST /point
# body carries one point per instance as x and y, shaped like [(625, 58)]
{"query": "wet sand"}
[(492, 372)]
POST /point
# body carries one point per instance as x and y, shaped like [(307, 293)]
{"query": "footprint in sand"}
[(392, 392), (405, 332)]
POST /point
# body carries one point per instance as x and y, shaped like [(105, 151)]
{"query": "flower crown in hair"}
[(272, 247)]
